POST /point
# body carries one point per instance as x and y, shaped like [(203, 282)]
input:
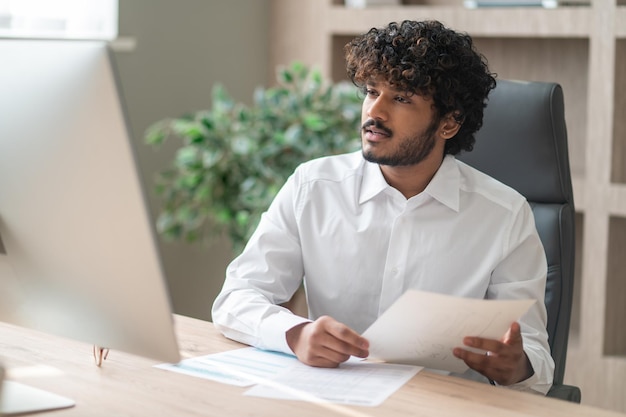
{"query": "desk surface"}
[(129, 385)]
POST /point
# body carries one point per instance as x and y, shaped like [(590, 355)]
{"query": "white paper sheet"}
[(282, 376), (423, 328), (353, 383), (242, 367)]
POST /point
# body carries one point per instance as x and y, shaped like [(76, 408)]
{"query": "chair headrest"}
[(523, 141)]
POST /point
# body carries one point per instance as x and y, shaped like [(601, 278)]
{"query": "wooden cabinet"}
[(584, 49)]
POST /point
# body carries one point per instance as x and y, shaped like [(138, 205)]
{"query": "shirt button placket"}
[(393, 285)]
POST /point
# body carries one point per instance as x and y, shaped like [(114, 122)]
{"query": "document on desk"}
[(355, 382), (281, 376), (423, 328), (242, 367)]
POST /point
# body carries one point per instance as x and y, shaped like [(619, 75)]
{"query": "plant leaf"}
[(233, 159)]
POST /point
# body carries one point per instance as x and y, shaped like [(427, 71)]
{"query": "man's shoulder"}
[(475, 181), (331, 168)]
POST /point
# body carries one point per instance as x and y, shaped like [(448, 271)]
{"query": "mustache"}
[(378, 125)]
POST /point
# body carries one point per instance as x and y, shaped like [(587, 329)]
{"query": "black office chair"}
[(523, 143)]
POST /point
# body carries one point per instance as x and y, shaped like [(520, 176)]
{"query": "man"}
[(360, 229)]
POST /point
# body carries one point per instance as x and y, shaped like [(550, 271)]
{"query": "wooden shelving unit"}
[(584, 49)]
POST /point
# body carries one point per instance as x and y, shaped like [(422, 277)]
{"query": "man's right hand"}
[(326, 343)]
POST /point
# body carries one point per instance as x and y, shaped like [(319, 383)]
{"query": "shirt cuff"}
[(527, 384), (535, 383), (274, 330)]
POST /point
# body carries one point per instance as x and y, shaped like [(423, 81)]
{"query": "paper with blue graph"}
[(280, 376), (242, 367), (423, 328)]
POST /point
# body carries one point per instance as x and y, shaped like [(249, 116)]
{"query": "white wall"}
[(182, 48)]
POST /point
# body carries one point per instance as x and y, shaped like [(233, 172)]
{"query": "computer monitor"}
[(78, 254)]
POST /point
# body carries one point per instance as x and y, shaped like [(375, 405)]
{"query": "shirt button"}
[(394, 270)]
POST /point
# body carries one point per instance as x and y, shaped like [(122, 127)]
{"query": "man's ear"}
[(450, 125)]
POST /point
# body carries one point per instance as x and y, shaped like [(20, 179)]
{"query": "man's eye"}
[(403, 99)]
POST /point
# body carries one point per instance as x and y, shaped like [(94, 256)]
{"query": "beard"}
[(411, 149)]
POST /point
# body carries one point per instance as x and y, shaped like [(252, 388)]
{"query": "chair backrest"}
[(523, 143)]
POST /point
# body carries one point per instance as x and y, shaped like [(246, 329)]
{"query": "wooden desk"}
[(130, 386)]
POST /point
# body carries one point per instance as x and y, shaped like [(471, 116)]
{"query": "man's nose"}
[(377, 109)]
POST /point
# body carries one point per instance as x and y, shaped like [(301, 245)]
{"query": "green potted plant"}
[(234, 158)]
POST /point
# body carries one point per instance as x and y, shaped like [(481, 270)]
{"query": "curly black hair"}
[(428, 59)]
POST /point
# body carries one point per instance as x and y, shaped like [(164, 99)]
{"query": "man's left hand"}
[(505, 362)]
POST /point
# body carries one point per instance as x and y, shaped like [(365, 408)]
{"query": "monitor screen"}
[(78, 255)]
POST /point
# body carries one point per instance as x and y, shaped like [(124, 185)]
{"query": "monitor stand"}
[(16, 398)]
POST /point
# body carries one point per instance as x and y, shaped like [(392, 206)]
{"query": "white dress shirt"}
[(359, 244)]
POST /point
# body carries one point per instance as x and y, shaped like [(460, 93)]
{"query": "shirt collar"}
[(373, 182), (446, 184), (444, 187)]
